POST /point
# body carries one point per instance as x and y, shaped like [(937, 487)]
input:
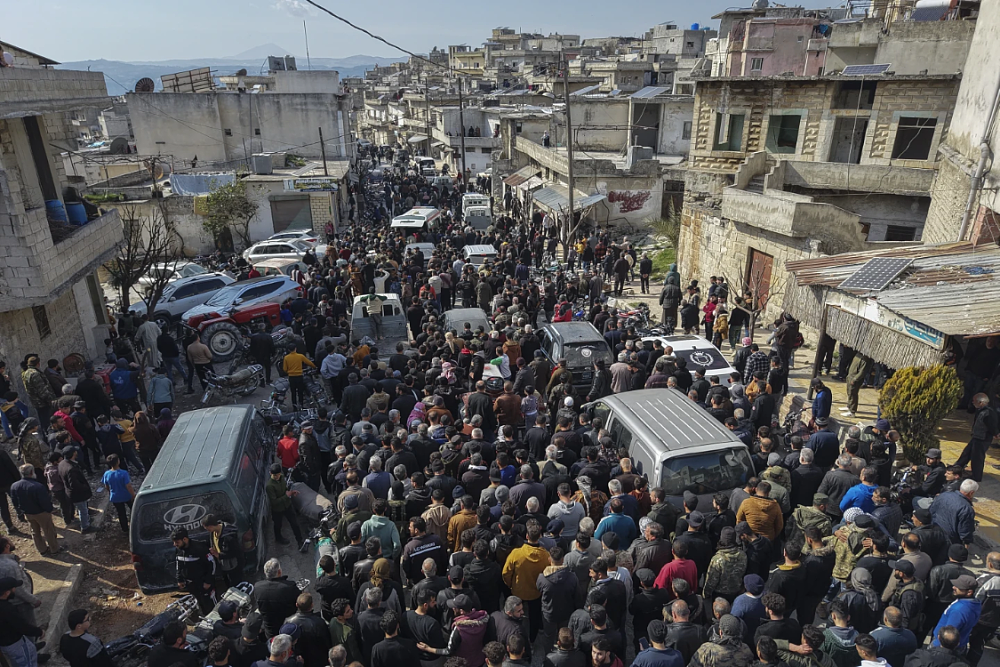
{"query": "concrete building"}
[(788, 168), (668, 38), (281, 112), (51, 303), (115, 121), (966, 204), (909, 47)]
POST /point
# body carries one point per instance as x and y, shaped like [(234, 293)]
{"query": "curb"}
[(58, 611)]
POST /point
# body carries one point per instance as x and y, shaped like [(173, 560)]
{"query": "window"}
[(900, 233), (756, 64), (620, 435), (228, 132), (728, 132), (705, 473), (800, 38), (855, 95), (783, 133), (259, 291), (41, 322), (487, 151), (256, 131), (686, 132), (185, 291), (690, 45), (913, 138)]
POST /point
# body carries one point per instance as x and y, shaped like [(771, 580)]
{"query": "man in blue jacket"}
[(963, 613), (822, 401), (953, 512), (860, 495), (618, 523), (658, 655)]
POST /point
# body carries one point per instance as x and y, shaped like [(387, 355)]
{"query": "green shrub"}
[(915, 400)]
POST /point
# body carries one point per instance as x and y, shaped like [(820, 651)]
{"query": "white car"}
[(183, 294), (697, 352), (276, 249), (426, 248), (175, 269), (306, 235)]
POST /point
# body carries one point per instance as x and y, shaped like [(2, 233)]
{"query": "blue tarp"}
[(198, 184)]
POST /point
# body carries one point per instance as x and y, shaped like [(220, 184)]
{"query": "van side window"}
[(620, 435), (602, 412)]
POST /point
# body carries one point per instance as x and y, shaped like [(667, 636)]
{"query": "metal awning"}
[(521, 175), (532, 183), (650, 92), (417, 138), (556, 198)]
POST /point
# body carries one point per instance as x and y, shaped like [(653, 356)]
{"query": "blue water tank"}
[(695, 26), (77, 213), (55, 210)]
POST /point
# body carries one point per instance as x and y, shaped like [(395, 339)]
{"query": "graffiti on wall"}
[(629, 200)]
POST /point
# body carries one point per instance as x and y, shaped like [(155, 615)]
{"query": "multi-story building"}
[(282, 111), (785, 168), (51, 303), (668, 38)]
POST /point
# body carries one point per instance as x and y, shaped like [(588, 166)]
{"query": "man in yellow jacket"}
[(293, 364), (521, 571)]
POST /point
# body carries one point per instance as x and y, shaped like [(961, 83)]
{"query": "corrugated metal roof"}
[(587, 90), (556, 198), (521, 175), (650, 91), (953, 287)]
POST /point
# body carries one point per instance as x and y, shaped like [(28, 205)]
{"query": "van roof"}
[(387, 297), (667, 416), (575, 332), (199, 448), (480, 250)]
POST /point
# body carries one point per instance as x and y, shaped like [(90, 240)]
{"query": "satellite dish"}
[(145, 85), (119, 146), (242, 72)]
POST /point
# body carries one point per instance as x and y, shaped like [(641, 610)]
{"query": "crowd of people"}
[(508, 528)]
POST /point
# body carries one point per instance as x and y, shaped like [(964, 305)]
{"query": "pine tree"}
[(915, 400)]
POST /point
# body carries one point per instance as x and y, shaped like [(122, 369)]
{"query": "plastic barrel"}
[(55, 210), (77, 213)]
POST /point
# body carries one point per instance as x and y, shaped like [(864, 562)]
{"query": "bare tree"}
[(147, 240), (757, 281)]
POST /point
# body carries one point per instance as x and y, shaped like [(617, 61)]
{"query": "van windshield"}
[(158, 519), (708, 472), (580, 355)]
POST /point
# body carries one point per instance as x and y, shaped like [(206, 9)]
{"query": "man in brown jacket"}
[(508, 407), (465, 519), (201, 357), (762, 513)]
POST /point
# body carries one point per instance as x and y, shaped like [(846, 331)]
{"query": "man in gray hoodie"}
[(568, 510)]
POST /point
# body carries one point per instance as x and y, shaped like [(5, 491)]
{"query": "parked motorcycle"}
[(239, 384), (131, 650), (202, 633)]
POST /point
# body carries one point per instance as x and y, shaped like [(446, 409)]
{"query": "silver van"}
[(674, 443)]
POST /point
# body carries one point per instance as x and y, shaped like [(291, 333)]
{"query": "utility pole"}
[(427, 114), (322, 152), (569, 153), (461, 121)]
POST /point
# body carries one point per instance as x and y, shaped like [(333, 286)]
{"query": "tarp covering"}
[(417, 138), (556, 198), (198, 184)]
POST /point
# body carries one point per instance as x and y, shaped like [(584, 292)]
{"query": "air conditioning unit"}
[(262, 165), (636, 153)]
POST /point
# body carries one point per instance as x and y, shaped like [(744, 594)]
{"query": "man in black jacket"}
[(369, 622), (261, 349), (195, 571), (354, 399), (484, 576), (77, 487), (314, 635), (226, 548), (601, 386), (170, 651), (558, 585), (481, 404), (276, 598), (682, 634), (394, 651)]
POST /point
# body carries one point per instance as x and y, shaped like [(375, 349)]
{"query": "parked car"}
[(697, 352), (213, 319), (174, 269), (182, 295), (306, 235), (274, 249)]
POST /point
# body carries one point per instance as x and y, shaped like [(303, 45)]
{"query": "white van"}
[(474, 199), (478, 254), (418, 217), (674, 443)]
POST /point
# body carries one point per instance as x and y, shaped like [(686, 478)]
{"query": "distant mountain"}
[(260, 52), (121, 76)]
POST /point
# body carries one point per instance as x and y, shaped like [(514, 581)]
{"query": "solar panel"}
[(865, 70), (876, 274), (650, 92)]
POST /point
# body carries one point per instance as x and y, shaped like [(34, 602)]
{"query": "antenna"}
[(306, 31), (144, 85)]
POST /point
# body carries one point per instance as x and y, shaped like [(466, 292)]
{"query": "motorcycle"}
[(202, 633), (131, 650), (239, 384)]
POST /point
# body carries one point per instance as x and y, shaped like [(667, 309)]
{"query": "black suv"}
[(581, 344)]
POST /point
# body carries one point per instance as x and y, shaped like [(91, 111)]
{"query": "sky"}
[(145, 30)]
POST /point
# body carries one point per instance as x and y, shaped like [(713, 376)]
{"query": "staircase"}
[(756, 184)]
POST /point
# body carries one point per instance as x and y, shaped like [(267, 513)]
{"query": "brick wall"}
[(951, 192)]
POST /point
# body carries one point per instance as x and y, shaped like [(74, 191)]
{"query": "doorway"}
[(848, 140)]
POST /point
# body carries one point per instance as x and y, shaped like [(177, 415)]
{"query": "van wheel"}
[(223, 339)]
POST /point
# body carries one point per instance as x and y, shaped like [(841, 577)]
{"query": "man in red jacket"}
[(679, 568)]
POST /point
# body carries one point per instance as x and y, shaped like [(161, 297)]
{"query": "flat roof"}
[(575, 332), (670, 417), (198, 449), (708, 78)]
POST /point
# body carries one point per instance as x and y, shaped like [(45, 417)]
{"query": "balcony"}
[(795, 216), (470, 142), (44, 268)]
